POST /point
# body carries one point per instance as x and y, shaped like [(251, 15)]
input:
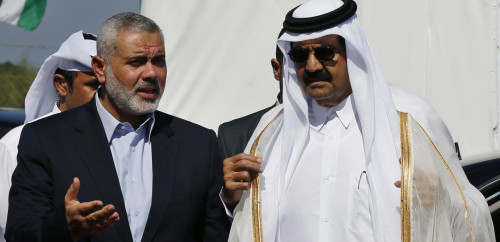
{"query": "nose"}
[(313, 64), (149, 72)]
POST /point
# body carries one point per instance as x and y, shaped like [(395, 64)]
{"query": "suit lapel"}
[(93, 148), (164, 152)]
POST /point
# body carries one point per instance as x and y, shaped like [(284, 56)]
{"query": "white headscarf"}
[(378, 117), (75, 54)]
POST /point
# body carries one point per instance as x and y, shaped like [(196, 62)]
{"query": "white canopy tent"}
[(446, 51)]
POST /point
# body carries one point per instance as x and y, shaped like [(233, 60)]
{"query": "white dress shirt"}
[(327, 198), (131, 150)]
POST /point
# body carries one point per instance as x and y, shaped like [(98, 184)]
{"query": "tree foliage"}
[(15, 80)]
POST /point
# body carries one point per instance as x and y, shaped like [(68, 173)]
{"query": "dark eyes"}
[(136, 61), (139, 61), (159, 60), (93, 84), (324, 53)]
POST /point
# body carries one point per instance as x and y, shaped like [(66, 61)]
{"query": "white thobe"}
[(327, 198), (8, 162)]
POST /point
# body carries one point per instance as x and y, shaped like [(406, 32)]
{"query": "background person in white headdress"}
[(330, 160), (65, 80)]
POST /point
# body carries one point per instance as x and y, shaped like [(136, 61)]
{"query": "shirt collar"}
[(110, 123), (346, 111), (319, 116), (56, 109)]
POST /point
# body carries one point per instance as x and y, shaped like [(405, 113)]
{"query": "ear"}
[(60, 85), (99, 66), (276, 68)]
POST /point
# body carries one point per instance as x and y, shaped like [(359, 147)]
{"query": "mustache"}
[(148, 83), (321, 75)]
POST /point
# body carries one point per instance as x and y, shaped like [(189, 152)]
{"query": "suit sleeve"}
[(33, 215), (216, 223)]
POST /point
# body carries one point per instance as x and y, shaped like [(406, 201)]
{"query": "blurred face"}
[(322, 69), (84, 87), (135, 77)]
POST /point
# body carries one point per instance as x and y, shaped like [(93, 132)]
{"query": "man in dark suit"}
[(234, 135), (145, 175)]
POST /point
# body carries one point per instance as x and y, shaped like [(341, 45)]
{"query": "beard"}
[(128, 100)]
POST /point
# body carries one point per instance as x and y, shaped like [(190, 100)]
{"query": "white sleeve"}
[(7, 166), (8, 162), (228, 213)]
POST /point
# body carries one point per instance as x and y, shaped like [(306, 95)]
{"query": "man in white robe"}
[(65, 80), (328, 162)]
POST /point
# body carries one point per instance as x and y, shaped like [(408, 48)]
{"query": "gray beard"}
[(126, 100)]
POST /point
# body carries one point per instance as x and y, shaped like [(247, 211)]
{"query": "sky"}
[(61, 19)]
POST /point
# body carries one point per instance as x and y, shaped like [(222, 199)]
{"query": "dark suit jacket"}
[(234, 135), (187, 178)]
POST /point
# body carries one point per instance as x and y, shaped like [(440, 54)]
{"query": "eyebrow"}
[(135, 57), (141, 56), (159, 56)]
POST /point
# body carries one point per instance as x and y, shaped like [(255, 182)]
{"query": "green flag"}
[(26, 14)]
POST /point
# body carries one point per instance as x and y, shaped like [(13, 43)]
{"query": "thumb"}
[(73, 191)]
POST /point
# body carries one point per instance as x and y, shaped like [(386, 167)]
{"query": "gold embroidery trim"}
[(406, 177), (255, 189), (456, 182)]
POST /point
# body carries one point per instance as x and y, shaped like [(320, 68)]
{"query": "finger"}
[(247, 165), (87, 208), (242, 176), (235, 186), (113, 219), (259, 159), (103, 213), (103, 217), (239, 177), (98, 224), (243, 156), (72, 191)]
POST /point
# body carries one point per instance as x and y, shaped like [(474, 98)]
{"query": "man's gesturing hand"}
[(238, 173), (88, 218)]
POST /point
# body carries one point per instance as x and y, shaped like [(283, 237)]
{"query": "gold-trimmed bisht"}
[(255, 190), (407, 178)]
